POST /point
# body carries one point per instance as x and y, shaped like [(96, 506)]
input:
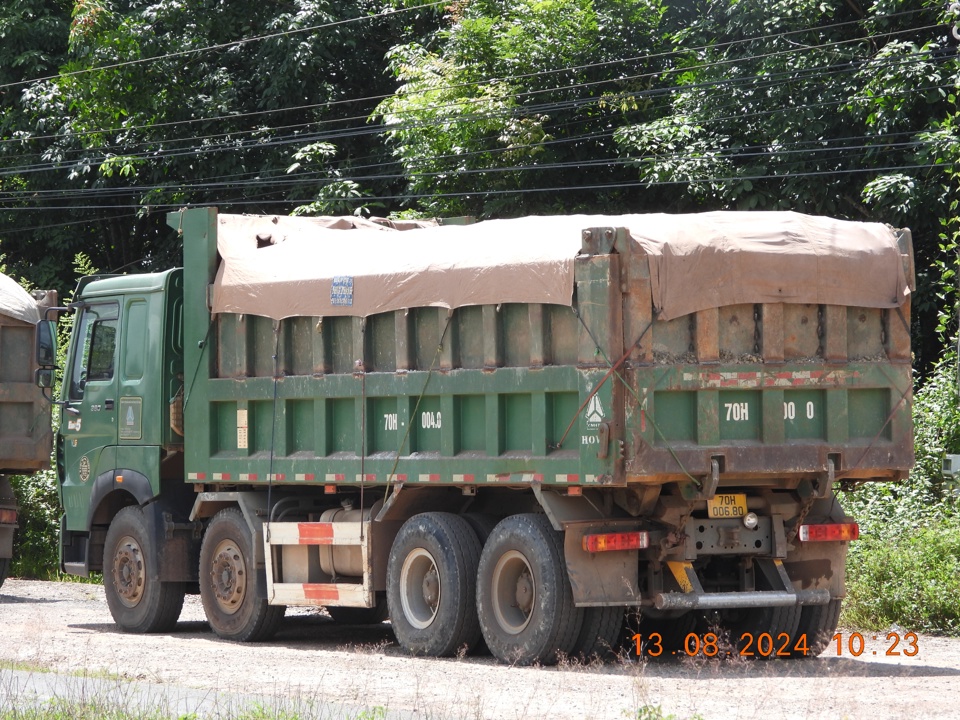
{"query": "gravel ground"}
[(320, 668)]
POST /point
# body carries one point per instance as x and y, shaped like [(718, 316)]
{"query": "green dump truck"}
[(512, 431), (26, 439)]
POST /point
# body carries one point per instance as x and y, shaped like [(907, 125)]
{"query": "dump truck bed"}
[(729, 348)]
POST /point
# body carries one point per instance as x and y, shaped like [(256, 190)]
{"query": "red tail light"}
[(834, 532), (607, 542), (8, 517)]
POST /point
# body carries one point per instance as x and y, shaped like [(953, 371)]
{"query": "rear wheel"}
[(662, 636), (755, 633), (431, 585), (228, 582), (524, 597), (4, 569), (139, 602), (482, 524), (818, 623), (600, 633)]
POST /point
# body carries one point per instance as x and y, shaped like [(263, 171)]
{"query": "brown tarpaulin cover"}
[(15, 302), (311, 267)]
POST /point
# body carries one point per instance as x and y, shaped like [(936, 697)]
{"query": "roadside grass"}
[(97, 709), (69, 710), (22, 666), (655, 712), (62, 709), (911, 579)]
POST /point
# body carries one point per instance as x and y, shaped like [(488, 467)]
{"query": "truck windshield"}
[(93, 359)]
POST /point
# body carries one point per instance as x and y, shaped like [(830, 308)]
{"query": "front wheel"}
[(228, 582), (139, 602), (524, 597)]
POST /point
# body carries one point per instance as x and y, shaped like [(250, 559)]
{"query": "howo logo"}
[(595, 414)]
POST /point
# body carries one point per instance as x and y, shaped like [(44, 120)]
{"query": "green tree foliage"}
[(517, 96), (35, 546), (161, 104), (33, 44)]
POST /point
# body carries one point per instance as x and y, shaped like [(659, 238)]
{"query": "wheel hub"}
[(128, 571), (525, 592), (228, 575), (514, 592), (420, 588), (431, 588)]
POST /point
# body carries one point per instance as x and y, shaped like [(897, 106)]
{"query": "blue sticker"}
[(341, 292)]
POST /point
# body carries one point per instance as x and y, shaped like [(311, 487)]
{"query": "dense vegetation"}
[(113, 112)]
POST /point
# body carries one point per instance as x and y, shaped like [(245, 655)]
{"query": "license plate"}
[(730, 505)]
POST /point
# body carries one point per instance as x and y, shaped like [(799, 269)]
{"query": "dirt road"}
[(313, 662)]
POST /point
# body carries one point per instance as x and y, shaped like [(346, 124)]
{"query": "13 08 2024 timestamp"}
[(891, 644), (779, 645)]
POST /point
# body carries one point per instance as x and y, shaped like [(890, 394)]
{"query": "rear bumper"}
[(722, 601)]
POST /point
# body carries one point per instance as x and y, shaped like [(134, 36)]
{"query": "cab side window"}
[(94, 359)]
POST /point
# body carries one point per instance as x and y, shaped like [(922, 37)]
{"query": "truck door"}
[(89, 421)]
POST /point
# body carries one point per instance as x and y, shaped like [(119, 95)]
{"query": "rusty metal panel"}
[(25, 434), (772, 332), (739, 333), (637, 309), (673, 340), (801, 332), (708, 335), (866, 333)]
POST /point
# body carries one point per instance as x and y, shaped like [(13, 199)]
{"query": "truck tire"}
[(818, 623), (662, 639), (523, 593), (482, 524), (740, 629), (360, 615), (600, 633), (4, 569), (431, 585), (228, 582), (139, 602)]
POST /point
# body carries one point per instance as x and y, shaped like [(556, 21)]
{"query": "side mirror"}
[(44, 378), (46, 346)]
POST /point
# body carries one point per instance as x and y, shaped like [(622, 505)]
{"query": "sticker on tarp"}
[(341, 292)]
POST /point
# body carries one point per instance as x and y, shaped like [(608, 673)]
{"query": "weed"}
[(22, 666), (374, 713), (912, 580), (655, 712)]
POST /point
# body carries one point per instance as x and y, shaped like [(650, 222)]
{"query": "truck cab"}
[(118, 441)]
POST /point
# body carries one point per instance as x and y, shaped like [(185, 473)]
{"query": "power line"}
[(771, 80), (520, 191), (607, 162), (543, 108), (354, 132), (542, 73)]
